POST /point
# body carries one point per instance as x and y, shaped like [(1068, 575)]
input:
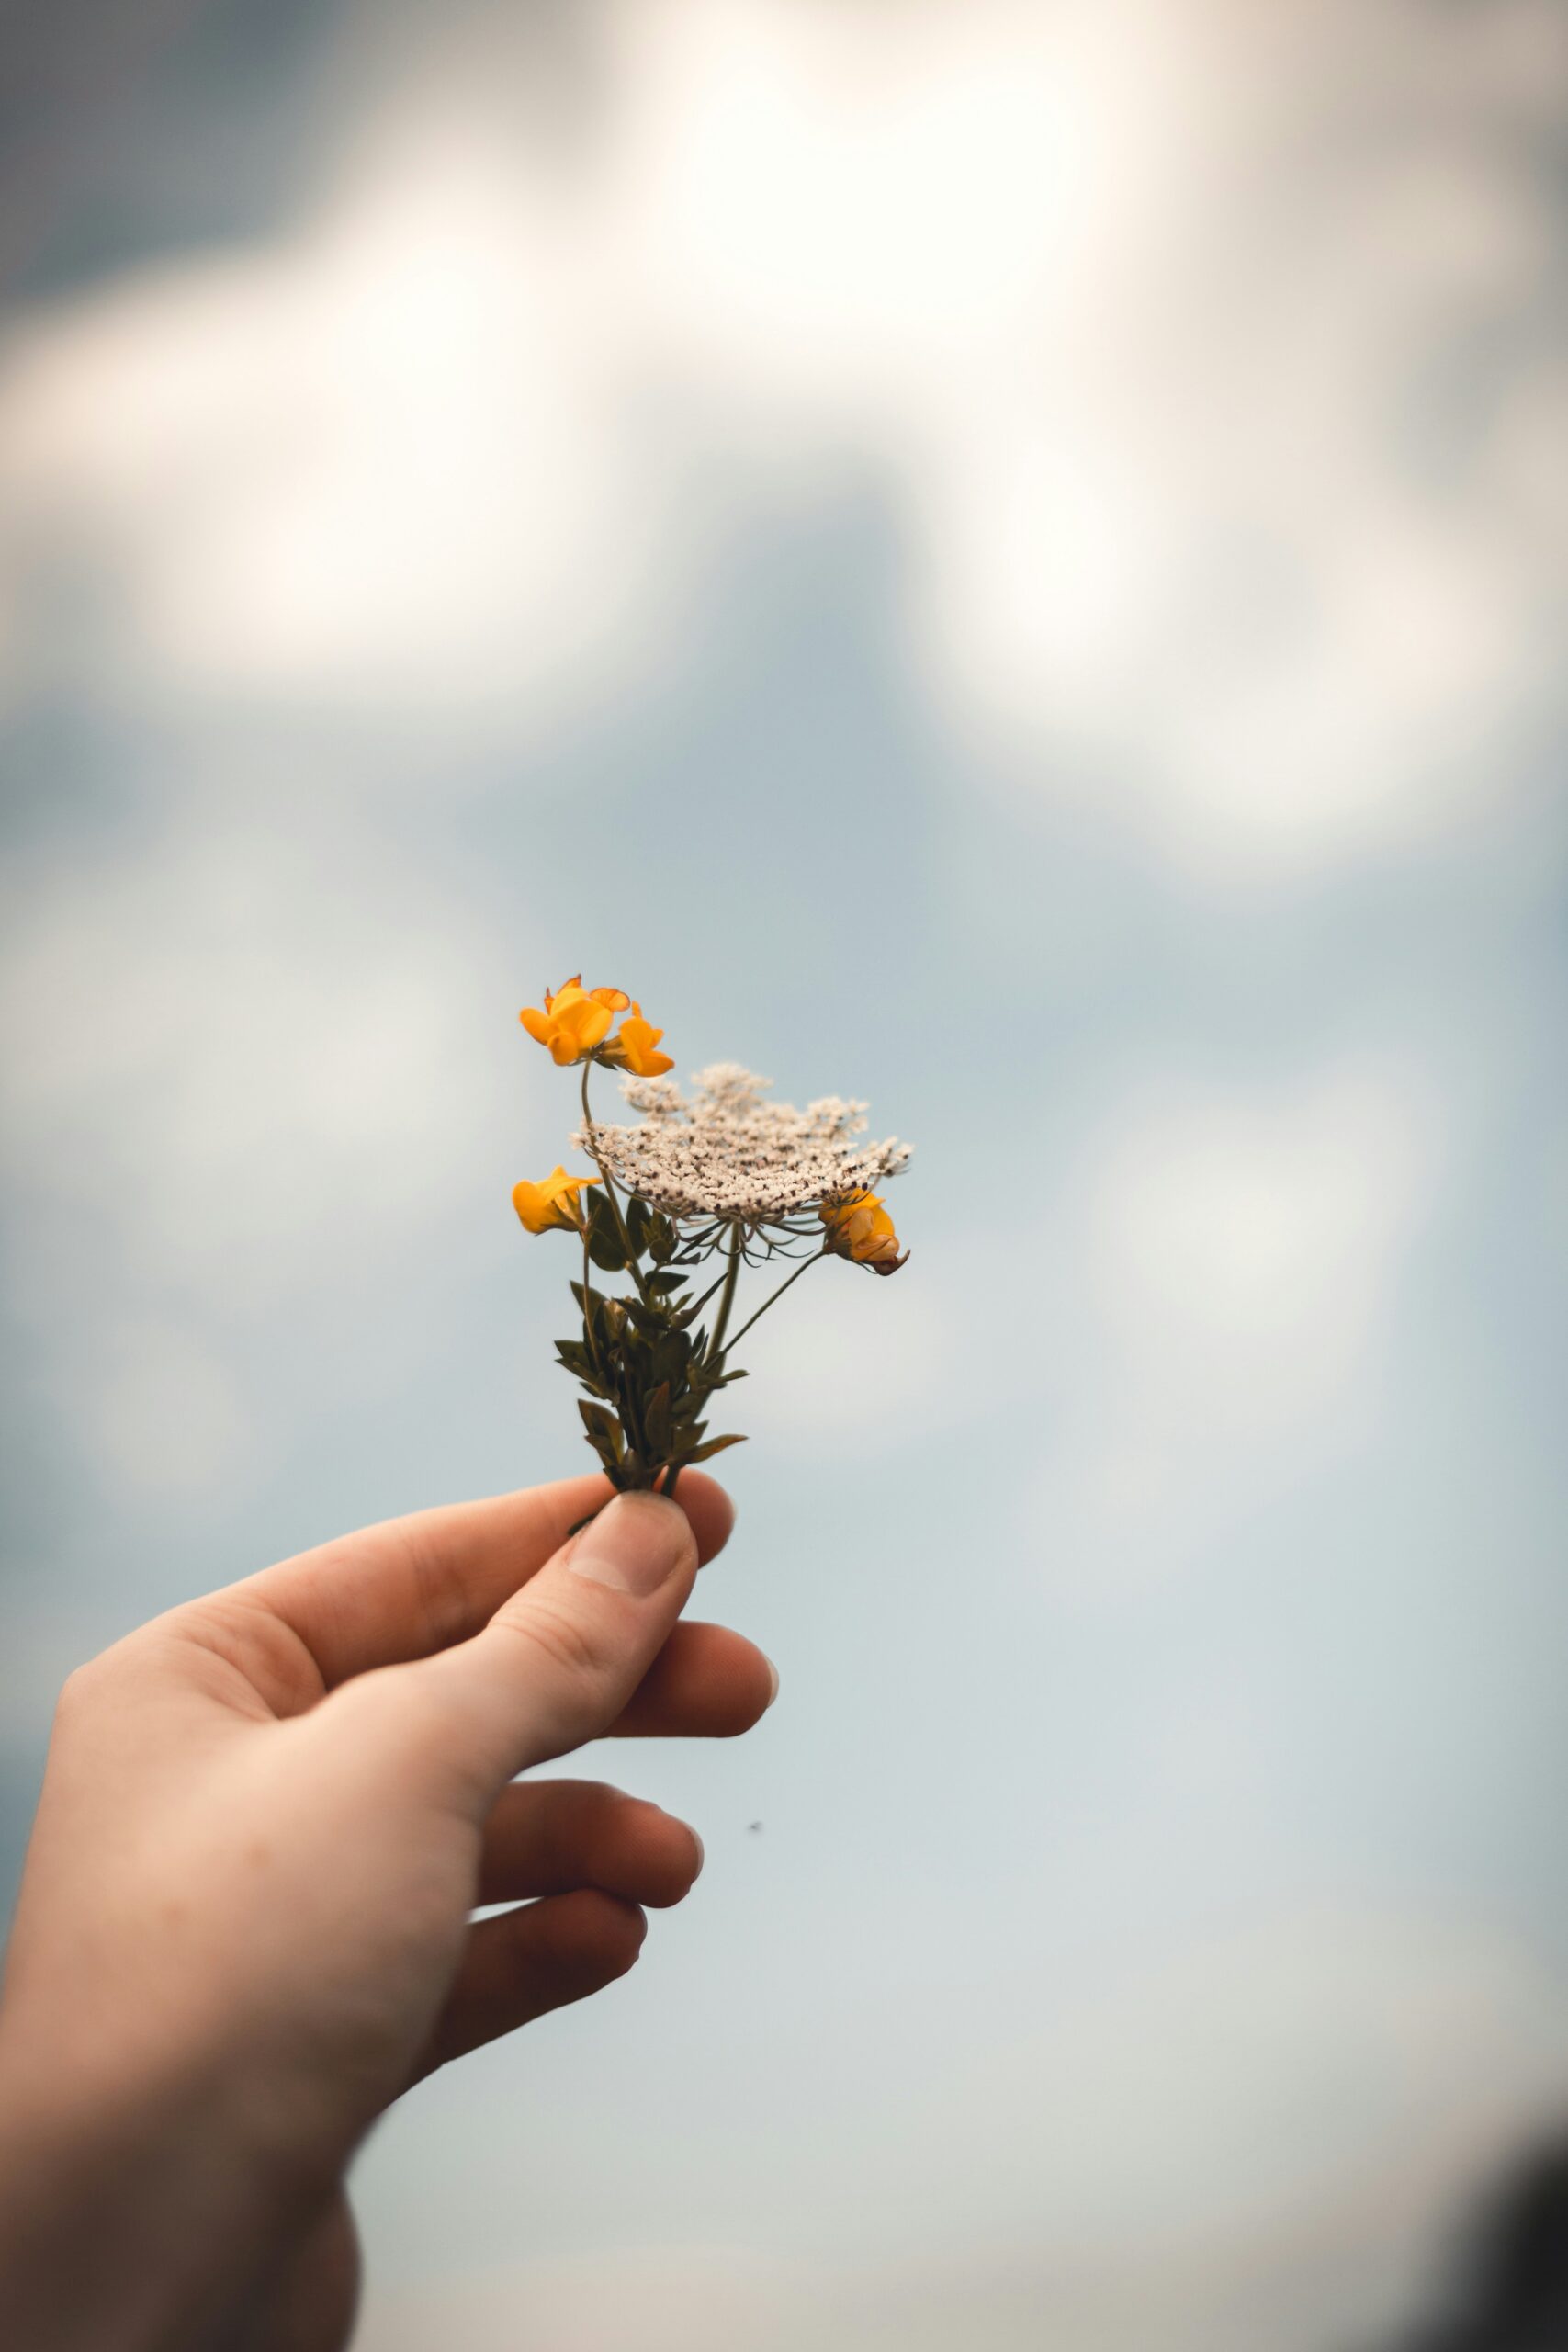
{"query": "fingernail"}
[(702, 1853), (772, 1682), (635, 1543)]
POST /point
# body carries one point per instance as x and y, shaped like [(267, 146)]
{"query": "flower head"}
[(574, 1021), (635, 1047), (858, 1227), (553, 1203), (728, 1155)]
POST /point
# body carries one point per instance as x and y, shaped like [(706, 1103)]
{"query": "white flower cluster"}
[(730, 1153)]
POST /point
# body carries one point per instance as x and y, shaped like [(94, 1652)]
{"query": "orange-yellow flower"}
[(574, 1019), (859, 1228), (553, 1203), (638, 1041)]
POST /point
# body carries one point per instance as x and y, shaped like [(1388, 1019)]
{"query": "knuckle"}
[(89, 1686), (562, 1642), (441, 1593), (78, 1694)]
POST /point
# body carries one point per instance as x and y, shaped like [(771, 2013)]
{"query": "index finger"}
[(409, 1587)]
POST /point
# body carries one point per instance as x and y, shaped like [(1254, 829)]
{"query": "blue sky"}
[(1002, 562)]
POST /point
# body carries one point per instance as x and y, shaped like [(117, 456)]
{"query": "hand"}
[(244, 1923)]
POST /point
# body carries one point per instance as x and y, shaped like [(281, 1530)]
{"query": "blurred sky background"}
[(1006, 557)]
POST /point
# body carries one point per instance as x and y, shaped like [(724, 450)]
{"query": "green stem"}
[(610, 1193), (712, 1291), (775, 1295), (732, 1273), (588, 1311)]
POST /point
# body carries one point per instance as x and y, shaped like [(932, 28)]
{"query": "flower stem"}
[(776, 1294), (712, 1291), (610, 1193), (715, 1345), (588, 1311)]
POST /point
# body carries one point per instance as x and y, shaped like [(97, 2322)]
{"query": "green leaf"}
[(603, 1429), (714, 1445), (672, 1356), (649, 1317), (639, 1221), (605, 1246), (657, 1422), (664, 1281)]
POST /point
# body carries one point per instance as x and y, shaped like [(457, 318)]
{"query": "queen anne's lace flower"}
[(729, 1153)]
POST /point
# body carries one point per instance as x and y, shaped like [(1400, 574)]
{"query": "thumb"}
[(558, 1660)]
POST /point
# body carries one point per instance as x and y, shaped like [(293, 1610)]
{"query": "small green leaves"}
[(605, 1245), (653, 1235), (604, 1433), (645, 1371), (713, 1445), (658, 1421), (651, 1316), (640, 1221)]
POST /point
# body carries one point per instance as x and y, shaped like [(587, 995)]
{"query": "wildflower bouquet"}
[(724, 1178)]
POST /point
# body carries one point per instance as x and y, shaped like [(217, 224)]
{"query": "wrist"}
[(131, 2210)]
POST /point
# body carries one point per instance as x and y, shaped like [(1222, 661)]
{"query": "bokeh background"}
[(1007, 558)]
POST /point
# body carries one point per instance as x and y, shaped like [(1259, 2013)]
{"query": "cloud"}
[(252, 1072), (378, 464), (1156, 326), (1263, 2144), (1271, 2076), (228, 1044), (1231, 1262), (1241, 1245), (861, 1364), (165, 1412)]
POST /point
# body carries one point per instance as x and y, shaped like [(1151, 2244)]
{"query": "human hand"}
[(245, 1928)]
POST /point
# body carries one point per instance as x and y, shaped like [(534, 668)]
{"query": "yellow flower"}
[(859, 1228), (574, 1019), (553, 1203), (637, 1040)]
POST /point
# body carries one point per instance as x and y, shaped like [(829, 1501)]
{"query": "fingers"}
[(705, 1683), (549, 1836), (522, 1963), (594, 1857), (413, 1586), (556, 1665)]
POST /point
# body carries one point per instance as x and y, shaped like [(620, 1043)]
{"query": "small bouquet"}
[(724, 1178)]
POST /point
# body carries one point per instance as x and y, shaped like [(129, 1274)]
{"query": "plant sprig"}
[(649, 1366)]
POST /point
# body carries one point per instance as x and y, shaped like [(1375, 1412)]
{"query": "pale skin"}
[(244, 1925)]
